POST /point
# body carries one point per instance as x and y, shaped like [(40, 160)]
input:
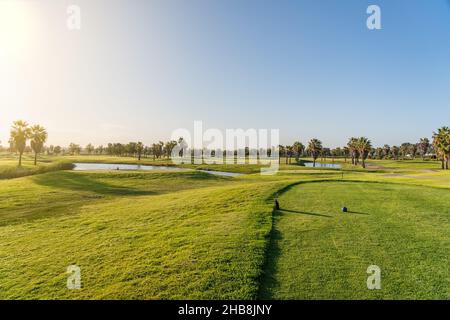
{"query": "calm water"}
[(323, 165), (115, 166)]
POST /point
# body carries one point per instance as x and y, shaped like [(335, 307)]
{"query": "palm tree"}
[(19, 134), (379, 153), (130, 149), (395, 151), (404, 149), (441, 143), (74, 148), (89, 148), (386, 150), (346, 152), (157, 149), (364, 146), (168, 147), (38, 136), (413, 150), (326, 152), (438, 139), (139, 149), (298, 149), (154, 148), (289, 151), (372, 153), (336, 152), (281, 152), (353, 149), (99, 149), (314, 148), (423, 146)]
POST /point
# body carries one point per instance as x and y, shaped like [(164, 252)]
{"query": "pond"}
[(323, 165), (115, 166)]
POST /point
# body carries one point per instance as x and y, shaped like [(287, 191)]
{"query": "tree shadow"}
[(305, 213), (81, 182), (356, 212)]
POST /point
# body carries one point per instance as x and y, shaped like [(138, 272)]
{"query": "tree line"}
[(358, 149), (131, 149)]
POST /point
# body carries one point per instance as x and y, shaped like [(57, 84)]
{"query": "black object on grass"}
[(344, 209), (277, 205)]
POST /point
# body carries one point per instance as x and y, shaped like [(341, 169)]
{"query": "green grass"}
[(9, 168), (61, 193), (135, 240), (188, 234), (317, 252)]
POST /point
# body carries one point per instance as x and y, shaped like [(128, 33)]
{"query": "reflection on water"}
[(115, 166)]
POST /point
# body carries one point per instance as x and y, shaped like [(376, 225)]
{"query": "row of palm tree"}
[(358, 149), (406, 150), (296, 150), (21, 132)]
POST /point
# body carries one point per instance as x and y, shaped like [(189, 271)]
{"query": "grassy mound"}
[(134, 235), (9, 168)]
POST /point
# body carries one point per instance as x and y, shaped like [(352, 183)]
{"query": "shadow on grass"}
[(269, 282), (81, 182), (306, 213), (40, 211), (89, 188), (356, 212)]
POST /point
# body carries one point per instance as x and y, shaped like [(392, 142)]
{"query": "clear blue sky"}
[(139, 69)]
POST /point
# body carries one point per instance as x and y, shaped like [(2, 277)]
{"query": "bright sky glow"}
[(137, 70)]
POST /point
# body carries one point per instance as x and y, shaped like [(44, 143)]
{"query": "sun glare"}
[(15, 28)]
